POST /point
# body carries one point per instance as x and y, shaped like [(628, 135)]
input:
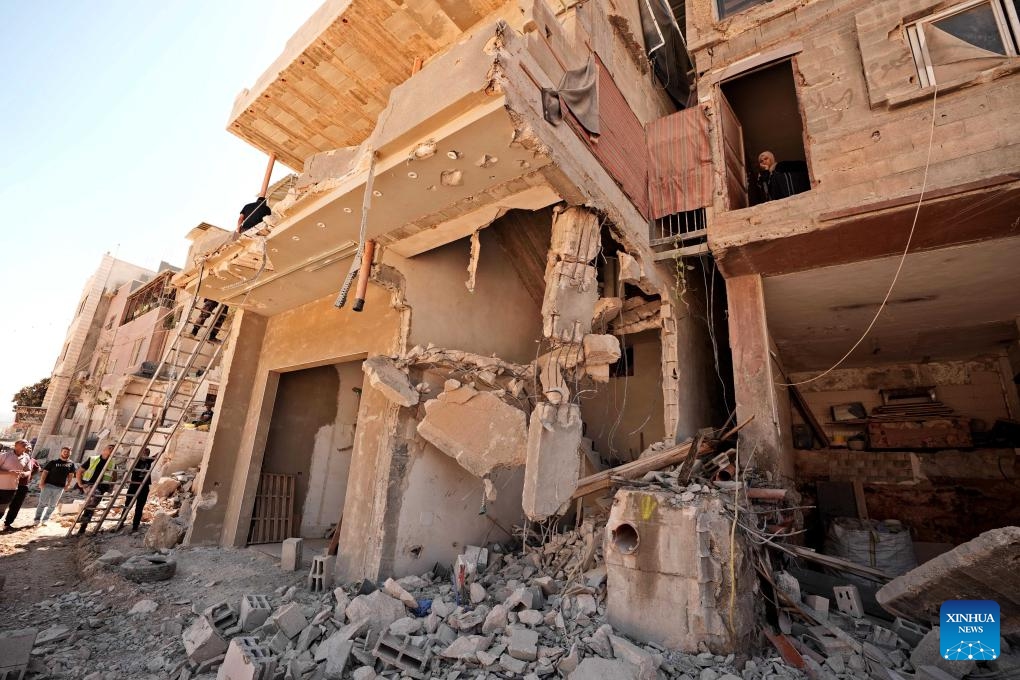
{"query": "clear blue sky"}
[(114, 115)]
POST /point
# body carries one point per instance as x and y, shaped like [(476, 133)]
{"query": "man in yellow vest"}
[(88, 476)]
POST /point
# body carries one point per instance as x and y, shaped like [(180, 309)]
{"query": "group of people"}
[(18, 468)]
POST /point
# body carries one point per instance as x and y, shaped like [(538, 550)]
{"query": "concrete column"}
[(230, 424), (755, 377)]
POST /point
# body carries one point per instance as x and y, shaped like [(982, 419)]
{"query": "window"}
[(965, 39), (624, 367), (728, 7)]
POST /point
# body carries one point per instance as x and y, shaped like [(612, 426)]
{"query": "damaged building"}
[(533, 250)]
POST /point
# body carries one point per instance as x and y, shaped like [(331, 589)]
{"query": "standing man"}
[(29, 467), (89, 475), (12, 470), (138, 487), (56, 476)]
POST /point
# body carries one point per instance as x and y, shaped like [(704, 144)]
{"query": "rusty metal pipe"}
[(363, 274), (269, 173)]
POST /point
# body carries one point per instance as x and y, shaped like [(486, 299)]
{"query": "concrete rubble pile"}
[(493, 615)]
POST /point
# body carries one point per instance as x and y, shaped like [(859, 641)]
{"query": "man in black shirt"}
[(138, 487), (53, 483), (252, 214)]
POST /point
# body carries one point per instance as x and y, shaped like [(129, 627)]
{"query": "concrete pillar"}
[(239, 372), (755, 377)]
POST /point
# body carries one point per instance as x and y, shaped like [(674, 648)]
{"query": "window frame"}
[(1006, 19)]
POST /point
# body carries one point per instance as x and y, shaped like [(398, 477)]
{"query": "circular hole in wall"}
[(626, 539)]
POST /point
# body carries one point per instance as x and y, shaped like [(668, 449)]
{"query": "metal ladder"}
[(168, 396)]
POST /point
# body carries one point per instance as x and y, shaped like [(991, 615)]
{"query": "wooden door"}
[(733, 156)]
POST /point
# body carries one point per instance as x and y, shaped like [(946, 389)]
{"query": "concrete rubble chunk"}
[(405, 626), (980, 569), (606, 309), (478, 593), (530, 617), (202, 641), (364, 673), (601, 349), (553, 459), (523, 644), (929, 653), (603, 669), (384, 375), (395, 590), (112, 557), (482, 433), (144, 607), (338, 654), (575, 235), (600, 641), (646, 664), (465, 648), (289, 620), (164, 532), (377, 608), (516, 667), (495, 620)]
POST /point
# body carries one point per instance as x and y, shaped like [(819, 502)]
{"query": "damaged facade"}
[(571, 270)]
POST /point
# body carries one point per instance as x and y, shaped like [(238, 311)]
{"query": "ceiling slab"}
[(950, 303)]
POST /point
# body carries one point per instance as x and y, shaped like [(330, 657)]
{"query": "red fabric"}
[(679, 163)]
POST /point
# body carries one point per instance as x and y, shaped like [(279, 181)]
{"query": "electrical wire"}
[(899, 268)]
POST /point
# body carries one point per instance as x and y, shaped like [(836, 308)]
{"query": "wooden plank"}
[(862, 505)]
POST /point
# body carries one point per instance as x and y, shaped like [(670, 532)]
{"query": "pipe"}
[(269, 173), (363, 274)]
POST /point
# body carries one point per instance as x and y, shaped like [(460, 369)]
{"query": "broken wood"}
[(671, 456), (789, 653), (834, 562), (334, 542), (268, 175)]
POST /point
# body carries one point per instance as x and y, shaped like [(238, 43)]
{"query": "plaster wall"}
[(305, 405), (625, 416), (331, 455), (499, 317), (866, 120)]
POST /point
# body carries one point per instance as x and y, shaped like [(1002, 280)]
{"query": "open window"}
[(964, 39), (761, 118), (729, 7)]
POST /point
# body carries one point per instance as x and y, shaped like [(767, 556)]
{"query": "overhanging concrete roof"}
[(335, 75)]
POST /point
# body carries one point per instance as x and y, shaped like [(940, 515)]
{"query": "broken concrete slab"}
[(553, 460), (377, 608), (202, 641), (646, 664), (16, 651), (384, 375), (606, 309), (981, 569), (465, 648), (289, 620), (928, 652), (523, 644), (601, 349), (481, 432)]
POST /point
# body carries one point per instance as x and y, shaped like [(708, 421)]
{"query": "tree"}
[(32, 395)]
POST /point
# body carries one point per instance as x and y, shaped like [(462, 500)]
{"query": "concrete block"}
[(255, 609), (553, 462), (477, 429), (819, 604), (289, 620), (377, 608), (221, 615), (601, 349), (320, 575), (15, 652), (909, 631), (247, 660), (291, 555), (523, 644), (401, 654), (384, 375), (848, 599), (202, 641)]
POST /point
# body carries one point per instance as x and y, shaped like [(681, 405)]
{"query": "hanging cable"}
[(899, 268)]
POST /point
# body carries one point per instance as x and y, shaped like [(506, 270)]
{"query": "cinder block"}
[(291, 555), (320, 576), (15, 650), (848, 599), (819, 604), (909, 631), (289, 620), (247, 660), (202, 641), (255, 609)]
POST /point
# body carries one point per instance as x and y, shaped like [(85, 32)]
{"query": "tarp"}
[(679, 163)]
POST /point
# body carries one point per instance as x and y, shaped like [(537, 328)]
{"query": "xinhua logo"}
[(969, 630)]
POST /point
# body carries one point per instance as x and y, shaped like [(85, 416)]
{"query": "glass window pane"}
[(728, 7), (976, 26)]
